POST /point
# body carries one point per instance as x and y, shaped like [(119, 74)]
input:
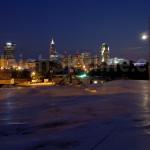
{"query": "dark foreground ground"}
[(115, 116)]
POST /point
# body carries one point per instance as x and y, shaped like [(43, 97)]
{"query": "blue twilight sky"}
[(76, 25)]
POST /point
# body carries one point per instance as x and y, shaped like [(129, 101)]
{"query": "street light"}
[(146, 37)]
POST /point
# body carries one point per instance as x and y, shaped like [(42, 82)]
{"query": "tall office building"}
[(9, 51), (105, 53), (53, 53), (9, 54)]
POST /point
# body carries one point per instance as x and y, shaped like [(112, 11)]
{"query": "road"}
[(112, 116)]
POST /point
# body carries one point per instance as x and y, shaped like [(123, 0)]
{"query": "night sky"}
[(76, 25)]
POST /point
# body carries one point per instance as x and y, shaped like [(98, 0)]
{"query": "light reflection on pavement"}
[(45, 113)]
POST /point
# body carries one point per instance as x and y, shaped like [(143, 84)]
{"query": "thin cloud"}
[(134, 48)]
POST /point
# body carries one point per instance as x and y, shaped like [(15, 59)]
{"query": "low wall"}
[(7, 82)]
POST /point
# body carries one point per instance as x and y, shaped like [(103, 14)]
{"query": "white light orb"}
[(144, 37)]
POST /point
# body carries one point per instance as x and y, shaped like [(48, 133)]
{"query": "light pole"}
[(146, 37)]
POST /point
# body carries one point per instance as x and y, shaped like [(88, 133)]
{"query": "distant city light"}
[(82, 76), (20, 68), (84, 67), (33, 74), (95, 82)]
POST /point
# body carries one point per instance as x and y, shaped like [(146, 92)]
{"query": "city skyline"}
[(75, 26)]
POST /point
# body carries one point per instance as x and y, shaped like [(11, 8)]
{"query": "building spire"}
[(52, 52), (52, 42)]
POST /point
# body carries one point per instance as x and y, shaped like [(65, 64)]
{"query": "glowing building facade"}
[(9, 54), (52, 52), (9, 51), (105, 53)]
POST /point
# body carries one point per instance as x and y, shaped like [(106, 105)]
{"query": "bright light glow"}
[(9, 44), (144, 36), (34, 83), (52, 42), (14, 67), (82, 76), (84, 68), (95, 82), (19, 68), (33, 74), (116, 61)]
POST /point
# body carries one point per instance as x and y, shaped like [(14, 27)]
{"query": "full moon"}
[(144, 37)]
